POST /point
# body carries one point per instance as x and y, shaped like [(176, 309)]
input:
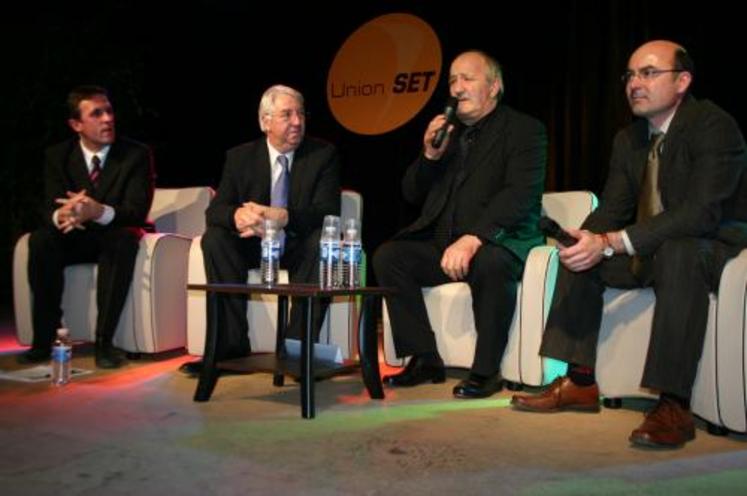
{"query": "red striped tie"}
[(95, 171)]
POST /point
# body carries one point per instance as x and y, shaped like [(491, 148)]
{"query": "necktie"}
[(279, 194), (649, 203), (95, 171)]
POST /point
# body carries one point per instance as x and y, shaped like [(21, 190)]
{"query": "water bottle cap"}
[(331, 221), (63, 332)]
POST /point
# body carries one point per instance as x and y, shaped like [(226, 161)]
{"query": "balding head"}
[(658, 78)]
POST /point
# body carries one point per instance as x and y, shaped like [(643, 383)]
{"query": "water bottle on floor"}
[(270, 261), (329, 253), (62, 355), (351, 254)]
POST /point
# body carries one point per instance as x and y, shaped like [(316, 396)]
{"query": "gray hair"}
[(267, 103)]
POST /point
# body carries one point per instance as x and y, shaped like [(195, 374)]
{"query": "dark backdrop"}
[(187, 80)]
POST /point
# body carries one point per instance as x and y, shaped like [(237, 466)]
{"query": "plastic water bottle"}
[(329, 253), (270, 261), (62, 355), (351, 254)]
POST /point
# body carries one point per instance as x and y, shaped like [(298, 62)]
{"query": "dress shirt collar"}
[(88, 156)]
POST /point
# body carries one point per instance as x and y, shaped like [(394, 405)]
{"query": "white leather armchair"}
[(719, 393), (339, 324), (154, 316), (450, 306)]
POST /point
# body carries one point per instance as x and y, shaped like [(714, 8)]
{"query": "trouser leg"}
[(493, 277), (409, 266)]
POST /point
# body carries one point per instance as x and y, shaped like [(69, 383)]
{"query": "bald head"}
[(658, 78)]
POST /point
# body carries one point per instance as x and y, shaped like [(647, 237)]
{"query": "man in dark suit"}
[(481, 193), (249, 192), (673, 212), (98, 192)]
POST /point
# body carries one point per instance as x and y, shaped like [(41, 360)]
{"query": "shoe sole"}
[(644, 442), (435, 380), (570, 408), (471, 397)]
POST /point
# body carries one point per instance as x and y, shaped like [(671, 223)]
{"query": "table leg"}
[(308, 409), (278, 378), (368, 345), (209, 372)]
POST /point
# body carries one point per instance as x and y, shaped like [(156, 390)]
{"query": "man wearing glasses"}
[(286, 177), (673, 212)]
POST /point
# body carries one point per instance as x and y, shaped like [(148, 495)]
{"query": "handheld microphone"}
[(551, 228), (450, 113)]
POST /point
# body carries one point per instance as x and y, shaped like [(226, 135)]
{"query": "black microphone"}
[(551, 228), (450, 113)]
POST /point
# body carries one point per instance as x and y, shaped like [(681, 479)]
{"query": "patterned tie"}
[(279, 194), (95, 171), (649, 204)]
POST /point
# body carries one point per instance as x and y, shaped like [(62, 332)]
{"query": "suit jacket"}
[(701, 177), (498, 195), (126, 182), (314, 185)]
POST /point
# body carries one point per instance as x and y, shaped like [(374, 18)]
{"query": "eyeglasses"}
[(286, 115), (645, 74)]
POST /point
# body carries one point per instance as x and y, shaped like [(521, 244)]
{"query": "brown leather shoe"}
[(562, 394), (668, 425)]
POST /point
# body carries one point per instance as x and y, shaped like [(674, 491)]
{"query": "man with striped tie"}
[(283, 176), (98, 191)]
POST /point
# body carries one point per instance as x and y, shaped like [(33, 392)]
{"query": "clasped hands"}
[(249, 218), (77, 209)]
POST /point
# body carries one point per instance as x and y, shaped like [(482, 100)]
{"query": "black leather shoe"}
[(477, 386), (417, 371), (107, 357), (192, 369), (34, 355)]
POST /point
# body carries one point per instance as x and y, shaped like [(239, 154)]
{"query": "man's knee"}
[(385, 257), (494, 262), (677, 255), (43, 240), (216, 240)]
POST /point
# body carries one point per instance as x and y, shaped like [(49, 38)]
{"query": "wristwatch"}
[(608, 251)]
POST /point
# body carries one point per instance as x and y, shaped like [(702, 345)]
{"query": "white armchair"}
[(154, 316), (338, 328), (450, 306), (719, 393)]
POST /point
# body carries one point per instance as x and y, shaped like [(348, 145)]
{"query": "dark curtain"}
[(187, 81)]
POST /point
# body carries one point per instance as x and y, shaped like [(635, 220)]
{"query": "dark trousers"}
[(493, 275), (685, 271), (50, 251), (228, 258)]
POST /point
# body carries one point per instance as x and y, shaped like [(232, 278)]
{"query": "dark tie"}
[(95, 170), (649, 203), (279, 195)]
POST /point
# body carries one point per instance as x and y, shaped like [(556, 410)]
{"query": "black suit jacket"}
[(314, 185), (498, 195), (125, 184), (701, 177)]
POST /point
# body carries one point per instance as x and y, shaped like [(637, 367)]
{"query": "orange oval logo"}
[(384, 74)]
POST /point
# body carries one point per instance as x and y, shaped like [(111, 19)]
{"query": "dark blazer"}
[(498, 195), (126, 182), (314, 185), (701, 177)]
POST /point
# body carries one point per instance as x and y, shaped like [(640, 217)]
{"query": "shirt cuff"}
[(56, 222), (106, 217), (628, 245)]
